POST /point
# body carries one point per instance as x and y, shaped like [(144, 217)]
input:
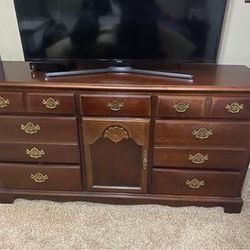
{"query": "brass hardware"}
[(50, 103), (145, 159), (115, 105), (35, 153), (198, 158), (195, 183), (30, 128), (116, 134), (39, 178), (181, 107), (202, 133), (234, 107), (4, 102)]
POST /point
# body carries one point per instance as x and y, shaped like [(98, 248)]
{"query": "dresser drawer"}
[(49, 153), (189, 182), (180, 106), (174, 132), (50, 103), (38, 129), (115, 105), (11, 102), (230, 107), (201, 158), (40, 177)]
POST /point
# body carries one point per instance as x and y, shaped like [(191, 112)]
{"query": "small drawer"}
[(40, 177), (11, 102), (201, 158), (38, 129), (180, 106), (230, 107), (188, 182), (48, 153), (50, 103), (115, 105), (221, 133)]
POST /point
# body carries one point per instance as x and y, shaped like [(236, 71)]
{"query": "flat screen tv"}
[(129, 30)]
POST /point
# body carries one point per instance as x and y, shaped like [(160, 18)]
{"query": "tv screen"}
[(172, 30)]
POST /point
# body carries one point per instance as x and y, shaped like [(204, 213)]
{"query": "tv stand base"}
[(120, 69)]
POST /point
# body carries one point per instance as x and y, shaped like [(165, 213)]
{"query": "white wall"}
[(235, 43), (234, 49), (10, 43)]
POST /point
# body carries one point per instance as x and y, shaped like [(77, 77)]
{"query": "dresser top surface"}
[(207, 77)]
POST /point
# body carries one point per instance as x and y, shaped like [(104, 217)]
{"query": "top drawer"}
[(180, 106), (115, 105), (50, 103), (230, 107), (11, 102)]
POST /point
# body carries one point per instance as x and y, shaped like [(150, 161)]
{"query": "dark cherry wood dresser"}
[(125, 138)]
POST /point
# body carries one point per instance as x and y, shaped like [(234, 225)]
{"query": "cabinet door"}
[(116, 154)]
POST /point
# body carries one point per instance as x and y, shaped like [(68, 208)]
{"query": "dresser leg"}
[(6, 198), (233, 208)]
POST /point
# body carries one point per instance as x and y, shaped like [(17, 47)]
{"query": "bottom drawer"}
[(187, 182), (40, 177)]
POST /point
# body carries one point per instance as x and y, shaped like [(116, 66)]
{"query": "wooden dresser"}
[(125, 139)]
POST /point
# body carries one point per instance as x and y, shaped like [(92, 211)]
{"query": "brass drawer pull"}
[(195, 183), (4, 102), (234, 107), (115, 105), (50, 103), (35, 153), (198, 158), (30, 128), (39, 178), (145, 159), (181, 107), (202, 133)]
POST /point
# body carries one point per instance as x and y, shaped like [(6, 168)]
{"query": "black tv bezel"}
[(119, 61)]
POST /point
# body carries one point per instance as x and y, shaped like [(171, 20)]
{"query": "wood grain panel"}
[(56, 177), (52, 129), (180, 132), (115, 105), (201, 158), (214, 183)]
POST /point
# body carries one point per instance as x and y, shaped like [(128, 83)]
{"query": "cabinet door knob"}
[(195, 183), (50, 103), (198, 158), (234, 107), (39, 178), (181, 107), (115, 105), (4, 102), (35, 153), (202, 133), (30, 128)]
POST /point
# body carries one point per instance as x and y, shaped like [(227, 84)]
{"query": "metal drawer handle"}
[(234, 107), (145, 159), (50, 103), (202, 133), (198, 158), (35, 153), (39, 178), (195, 183), (30, 128), (4, 102), (181, 107), (115, 105)]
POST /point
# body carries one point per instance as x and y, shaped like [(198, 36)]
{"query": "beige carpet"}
[(80, 225)]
